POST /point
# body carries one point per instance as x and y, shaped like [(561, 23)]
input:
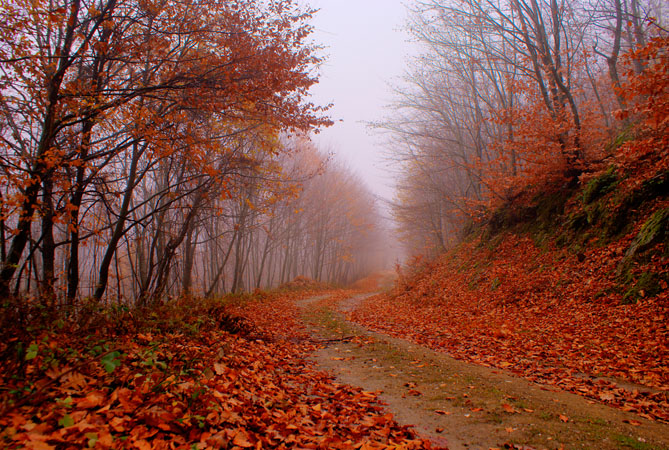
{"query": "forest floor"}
[(279, 370), (459, 404), (193, 374)]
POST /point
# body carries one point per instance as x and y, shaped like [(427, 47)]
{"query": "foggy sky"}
[(365, 49)]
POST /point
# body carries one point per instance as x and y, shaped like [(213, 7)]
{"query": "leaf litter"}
[(154, 388), (544, 315)]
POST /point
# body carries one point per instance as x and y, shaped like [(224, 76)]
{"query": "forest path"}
[(462, 405)]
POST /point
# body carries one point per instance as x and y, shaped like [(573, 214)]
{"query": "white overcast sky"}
[(366, 49)]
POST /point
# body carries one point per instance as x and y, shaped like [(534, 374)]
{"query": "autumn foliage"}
[(186, 375), (510, 99), (541, 314)]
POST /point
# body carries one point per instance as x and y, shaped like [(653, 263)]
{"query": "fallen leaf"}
[(242, 439), (92, 400), (636, 423), (508, 408), (606, 396), (219, 368), (39, 445)]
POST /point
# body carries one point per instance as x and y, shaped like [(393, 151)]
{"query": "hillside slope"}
[(567, 288)]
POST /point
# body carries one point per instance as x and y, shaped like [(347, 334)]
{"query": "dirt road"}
[(462, 405)]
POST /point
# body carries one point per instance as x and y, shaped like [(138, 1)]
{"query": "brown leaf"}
[(508, 408), (143, 444), (92, 400), (219, 368), (636, 423), (242, 439), (607, 396), (39, 445)]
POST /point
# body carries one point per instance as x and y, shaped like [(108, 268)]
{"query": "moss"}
[(625, 135), (653, 231), (599, 186), (630, 442), (507, 216), (648, 285), (595, 212)]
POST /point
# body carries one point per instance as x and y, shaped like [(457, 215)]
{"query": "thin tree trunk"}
[(48, 244), (119, 228)]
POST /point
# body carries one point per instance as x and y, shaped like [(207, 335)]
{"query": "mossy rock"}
[(648, 285), (507, 216), (594, 213), (577, 220), (619, 219), (653, 231), (550, 206), (600, 186)]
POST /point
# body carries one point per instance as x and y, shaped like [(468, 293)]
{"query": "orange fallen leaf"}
[(636, 423), (564, 418), (93, 399), (442, 412), (219, 368), (39, 445), (143, 444), (242, 439), (508, 408)]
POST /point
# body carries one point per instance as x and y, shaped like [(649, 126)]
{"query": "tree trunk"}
[(47, 288), (189, 257), (119, 228), (40, 171)]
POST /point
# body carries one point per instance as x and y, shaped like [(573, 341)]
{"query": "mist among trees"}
[(510, 94), (160, 148)]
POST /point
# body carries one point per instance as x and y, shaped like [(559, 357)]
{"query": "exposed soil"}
[(463, 405)]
